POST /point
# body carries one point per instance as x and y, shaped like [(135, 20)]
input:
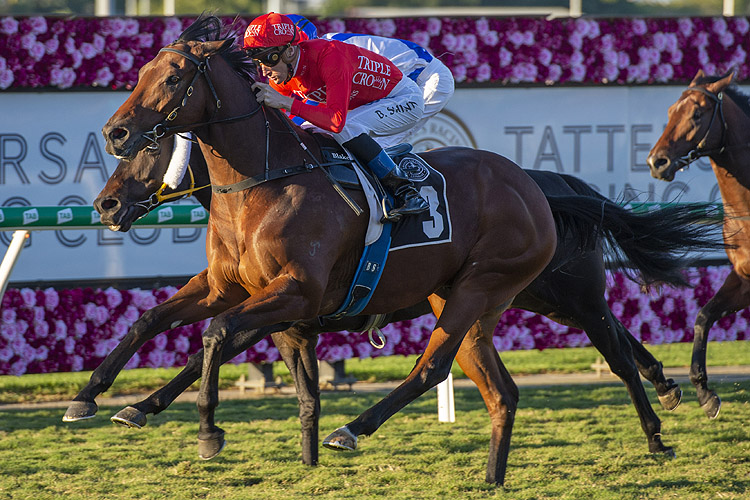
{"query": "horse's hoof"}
[(712, 406), (671, 399), (130, 417), (80, 410), (209, 448), (341, 439), (659, 449)]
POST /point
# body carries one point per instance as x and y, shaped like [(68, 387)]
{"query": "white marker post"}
[(446, 405)]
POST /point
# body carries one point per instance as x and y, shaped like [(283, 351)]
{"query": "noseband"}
[(203, 68), (699, 151), (159, 197)]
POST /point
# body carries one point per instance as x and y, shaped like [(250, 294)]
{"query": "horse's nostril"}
[(118, 133), (108, 204), (657, 162)]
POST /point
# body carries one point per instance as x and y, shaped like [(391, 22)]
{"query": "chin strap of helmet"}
[(290, 72)]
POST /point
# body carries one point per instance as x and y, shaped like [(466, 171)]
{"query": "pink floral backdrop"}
[(72, 330), (62, 53), (46, 331)]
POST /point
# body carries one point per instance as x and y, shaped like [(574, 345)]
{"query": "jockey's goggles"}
[(270, 56), (267, 56)]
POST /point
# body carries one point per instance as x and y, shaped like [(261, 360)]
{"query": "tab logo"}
[(95, 217), (165, 214), (64, 215), (197, 214), (30, 216)]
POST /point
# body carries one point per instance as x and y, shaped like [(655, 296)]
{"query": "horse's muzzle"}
[(119, 142), (661, 167)]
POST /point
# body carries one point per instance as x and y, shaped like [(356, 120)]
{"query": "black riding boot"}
[(407, 200)]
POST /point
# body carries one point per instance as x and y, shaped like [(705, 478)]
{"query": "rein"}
[(162, 129)]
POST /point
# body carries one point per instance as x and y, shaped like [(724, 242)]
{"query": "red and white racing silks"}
[(341, 77)]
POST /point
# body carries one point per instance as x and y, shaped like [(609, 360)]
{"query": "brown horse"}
[(571, 293), (712, 118), (286, 250)]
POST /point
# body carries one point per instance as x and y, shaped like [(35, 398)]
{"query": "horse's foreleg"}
[(733, 296), (302, 362), (280, 300), (185, 307), (135, 415)]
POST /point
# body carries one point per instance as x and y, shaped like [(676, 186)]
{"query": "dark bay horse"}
[(286, 250), (712, 119), (571, 293)]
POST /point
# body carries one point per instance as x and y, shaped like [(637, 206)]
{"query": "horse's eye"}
[(697, 114), (173, 80)]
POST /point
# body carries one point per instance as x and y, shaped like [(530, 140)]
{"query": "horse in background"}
[(712, 119)]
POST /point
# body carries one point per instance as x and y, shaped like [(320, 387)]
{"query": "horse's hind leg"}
[(431, 368), (667, 390), (185, 307), (733, 296), (599, 324), (302, 362), (479, 360)]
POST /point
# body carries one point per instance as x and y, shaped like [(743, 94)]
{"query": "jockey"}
[(432, 76), (360, 93), (429, 72)]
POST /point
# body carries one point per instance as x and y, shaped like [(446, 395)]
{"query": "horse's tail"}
[(651, 247)]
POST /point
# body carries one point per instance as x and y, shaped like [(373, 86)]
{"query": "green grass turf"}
[(63, 386), (576, 442)]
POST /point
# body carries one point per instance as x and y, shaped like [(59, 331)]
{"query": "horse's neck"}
[(233, 150), (240, 149), (237, 150), (732, 166)]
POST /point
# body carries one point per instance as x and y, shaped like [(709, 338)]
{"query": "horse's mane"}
[(732, 90), (211, 28)]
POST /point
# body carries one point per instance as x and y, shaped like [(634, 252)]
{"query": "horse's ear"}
[(722, 82), (700, 74)]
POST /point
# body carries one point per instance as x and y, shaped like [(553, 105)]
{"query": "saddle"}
[(431, 228), (339, 163)]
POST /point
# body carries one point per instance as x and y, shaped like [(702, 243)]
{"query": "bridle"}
[(159, 197), (699, 151), (203, 68)]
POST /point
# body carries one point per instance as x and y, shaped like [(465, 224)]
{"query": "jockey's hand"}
[(265, 94)]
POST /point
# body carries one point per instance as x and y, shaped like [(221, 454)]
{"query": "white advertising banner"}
[(52, 153), (600, 134)]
